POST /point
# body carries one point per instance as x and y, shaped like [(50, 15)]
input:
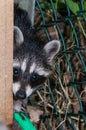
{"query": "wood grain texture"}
[(6, 56)]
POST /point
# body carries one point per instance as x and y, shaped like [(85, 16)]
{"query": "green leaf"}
[(74, 6), (45, 5), (56, 4), (85, 7)]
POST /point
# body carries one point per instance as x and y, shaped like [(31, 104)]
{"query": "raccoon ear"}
[(18, 36), (52, 48)]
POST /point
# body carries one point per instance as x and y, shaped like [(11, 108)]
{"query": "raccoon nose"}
[(21, 94)]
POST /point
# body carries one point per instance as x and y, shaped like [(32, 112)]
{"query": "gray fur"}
[(29, 6), (18, 36)]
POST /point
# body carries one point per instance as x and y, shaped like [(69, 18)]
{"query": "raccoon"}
[(32, 60)]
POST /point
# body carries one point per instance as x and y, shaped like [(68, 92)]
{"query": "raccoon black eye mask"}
[(36, 80), (16, 74), (32, 58)]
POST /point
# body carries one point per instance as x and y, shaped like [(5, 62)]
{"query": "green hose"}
[(23, 121)]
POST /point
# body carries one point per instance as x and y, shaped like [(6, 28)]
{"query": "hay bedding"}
[(57, 86)]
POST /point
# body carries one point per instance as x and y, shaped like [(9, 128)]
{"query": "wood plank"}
[(6, 56)]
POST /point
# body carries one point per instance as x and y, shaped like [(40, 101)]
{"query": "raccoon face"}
[(31, 64)]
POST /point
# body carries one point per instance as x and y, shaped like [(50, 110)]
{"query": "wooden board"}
[(6, 56)]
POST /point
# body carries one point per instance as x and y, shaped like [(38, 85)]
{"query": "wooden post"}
[(6, 56)]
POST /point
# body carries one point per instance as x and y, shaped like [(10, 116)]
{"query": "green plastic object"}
[(23, 121)]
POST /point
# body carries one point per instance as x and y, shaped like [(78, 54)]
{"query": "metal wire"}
[(65, 53)]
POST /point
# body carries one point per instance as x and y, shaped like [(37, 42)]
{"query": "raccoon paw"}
[(19, 107), (34, 114)]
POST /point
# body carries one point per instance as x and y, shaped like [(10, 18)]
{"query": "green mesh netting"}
[(63, 98)]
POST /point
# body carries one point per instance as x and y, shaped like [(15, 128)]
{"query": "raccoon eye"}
[(36, 80), (16, 72), (34, 77)]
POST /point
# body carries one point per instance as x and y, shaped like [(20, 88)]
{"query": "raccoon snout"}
[(21, 94)]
